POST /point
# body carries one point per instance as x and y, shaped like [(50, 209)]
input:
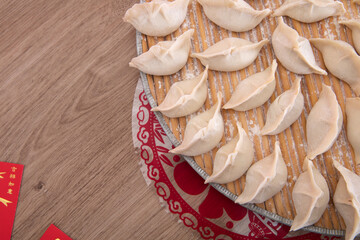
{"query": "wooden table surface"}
[(66, 95)]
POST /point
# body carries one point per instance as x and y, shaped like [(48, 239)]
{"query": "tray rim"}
[(204, 175)]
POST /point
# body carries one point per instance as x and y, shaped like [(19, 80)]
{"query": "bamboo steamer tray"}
[(293, 140)]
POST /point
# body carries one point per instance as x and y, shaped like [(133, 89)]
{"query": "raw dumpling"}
[(185, 97), (324, 123), (341, 60), (230, 54), (310, 195), (253, 91), (347, 200), (165, 58), (355, 31), (293, 51), (202, 132), (233, 159), (284, 110), (157, 18), (353, 129), (234, 15), (309, 11), (264, 179)]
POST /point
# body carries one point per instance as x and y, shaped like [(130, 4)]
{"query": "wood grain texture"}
[(66, 93), (293, 140)]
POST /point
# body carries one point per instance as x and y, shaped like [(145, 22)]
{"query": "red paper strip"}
[(10, 182), (53, 233)]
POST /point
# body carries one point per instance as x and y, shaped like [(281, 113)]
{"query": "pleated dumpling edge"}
[(347, 200), (254, 90), (264, 178), (354, 25), (203, 132), (309, 11), (324, 123), (230, 54), (284, 110), (233, 159), (352, 107), (293, 51), (341, 60), (237, 10), (158, 17), (310, 196), (185, 97), (165, 58)]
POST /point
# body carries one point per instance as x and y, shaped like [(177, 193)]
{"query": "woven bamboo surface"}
[(292, 140)]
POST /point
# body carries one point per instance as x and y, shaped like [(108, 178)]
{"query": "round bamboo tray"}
[(292, 140)]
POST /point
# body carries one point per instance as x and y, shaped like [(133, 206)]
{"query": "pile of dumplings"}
[(203, 132)]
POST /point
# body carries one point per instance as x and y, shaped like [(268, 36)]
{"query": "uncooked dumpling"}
[(347, 200), (353, 121), (264, 178), (158, 17), (165, 58), (310, 195), (285, 110), (355, 31), (230, 54), (234, 15), (293, 51), (253, 91), (202, 132), (233, 159), (341, 60), (309, 11), (185, 97), (324, 123)]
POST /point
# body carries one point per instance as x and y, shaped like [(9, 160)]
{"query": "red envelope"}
[(53, 233), (10, 182)]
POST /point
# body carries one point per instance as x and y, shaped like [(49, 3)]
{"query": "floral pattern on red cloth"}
[(193, 184), (198, 205)]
